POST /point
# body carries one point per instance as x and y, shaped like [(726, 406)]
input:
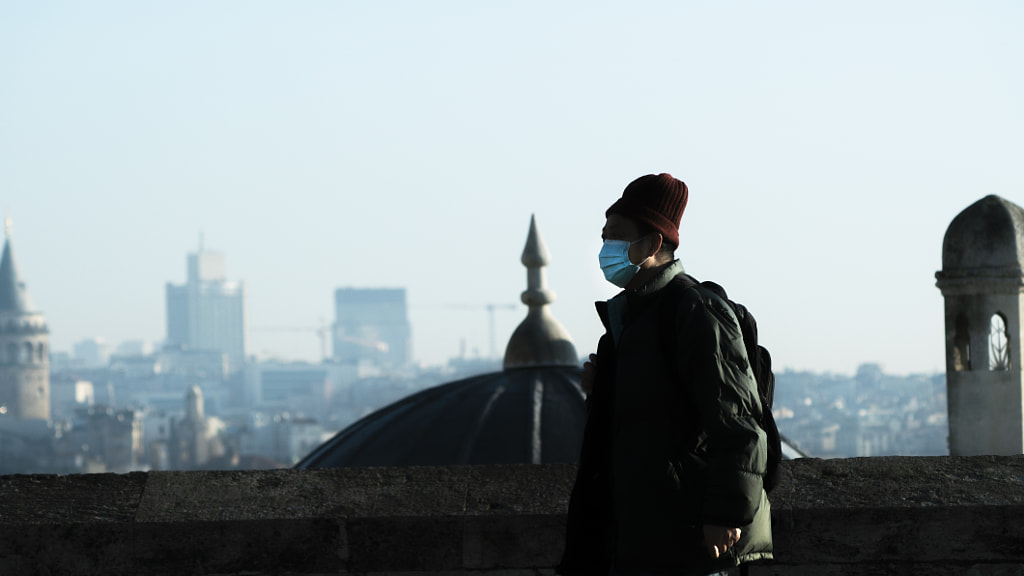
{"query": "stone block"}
[(87, 549), (404, 544), (283, 546), (75, 498), (522, 489), (516, 542)]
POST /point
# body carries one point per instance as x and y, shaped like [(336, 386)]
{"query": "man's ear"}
[(655, 246)]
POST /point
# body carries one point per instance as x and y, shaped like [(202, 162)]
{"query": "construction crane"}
[(321, 332), (490, 313), (490, 308)]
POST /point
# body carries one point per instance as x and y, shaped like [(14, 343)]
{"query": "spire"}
[(13, 296), (536, 258), (540, 340)]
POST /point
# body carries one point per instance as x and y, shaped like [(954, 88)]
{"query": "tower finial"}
[(539, 340), (536, 258), (13, 295)]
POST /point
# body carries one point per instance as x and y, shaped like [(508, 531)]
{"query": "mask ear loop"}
[(640, 240)]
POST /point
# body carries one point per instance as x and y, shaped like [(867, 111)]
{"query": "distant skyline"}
[(322, 145)]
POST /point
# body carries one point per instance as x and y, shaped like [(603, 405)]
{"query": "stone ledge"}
[(900, 482), (854, 516), (355, 493)]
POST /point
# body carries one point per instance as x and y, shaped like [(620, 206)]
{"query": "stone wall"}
[(855, 516)]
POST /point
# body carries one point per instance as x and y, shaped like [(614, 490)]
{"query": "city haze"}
[(401, 144)]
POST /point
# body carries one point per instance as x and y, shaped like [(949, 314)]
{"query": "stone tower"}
[(982, 283), (24, 346)]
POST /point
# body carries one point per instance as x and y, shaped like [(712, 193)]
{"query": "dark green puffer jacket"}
[(672, 441)]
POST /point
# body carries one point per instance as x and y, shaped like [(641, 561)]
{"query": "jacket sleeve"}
[(726, 401)]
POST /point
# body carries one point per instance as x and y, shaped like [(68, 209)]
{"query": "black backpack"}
[(760, 363)]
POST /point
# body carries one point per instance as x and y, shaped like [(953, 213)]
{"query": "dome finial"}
[(535, 258), (8, 226), (539, 340), (535, 253)]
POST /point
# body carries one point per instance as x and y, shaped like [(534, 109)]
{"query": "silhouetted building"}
[(296, 387), (107, 440), (93, 352), (24, 347), (208, 311), (981, 280), (196, 438), (69, 393), (281, 439), (372, 325)]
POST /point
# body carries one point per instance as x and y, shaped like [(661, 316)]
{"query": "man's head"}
[(645, 222), (655, 203)]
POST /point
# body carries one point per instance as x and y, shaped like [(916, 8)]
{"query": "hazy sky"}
[(827, 145)]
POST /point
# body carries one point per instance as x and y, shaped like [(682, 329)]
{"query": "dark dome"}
[(987, 234), (522, 415)]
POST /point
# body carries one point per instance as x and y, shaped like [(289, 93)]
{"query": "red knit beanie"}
[(658, 201)]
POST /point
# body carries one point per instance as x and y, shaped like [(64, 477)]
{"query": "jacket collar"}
[(660, 280)]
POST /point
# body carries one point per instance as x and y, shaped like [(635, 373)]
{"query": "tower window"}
[(998, 344), (961, 345), (27, 355)]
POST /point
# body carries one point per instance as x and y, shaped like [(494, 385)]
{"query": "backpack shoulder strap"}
[(669, 309)]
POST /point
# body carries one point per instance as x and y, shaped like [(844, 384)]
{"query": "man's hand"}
[(718, 539), (589, 373)]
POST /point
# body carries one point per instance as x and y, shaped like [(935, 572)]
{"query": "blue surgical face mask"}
[(615, 263)]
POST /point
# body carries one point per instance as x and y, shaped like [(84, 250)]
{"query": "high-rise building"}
[(93, 352), (24, 347), (372, 325), (208, 312)]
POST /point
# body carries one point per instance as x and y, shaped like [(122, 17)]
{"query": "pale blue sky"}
[(826, 145)]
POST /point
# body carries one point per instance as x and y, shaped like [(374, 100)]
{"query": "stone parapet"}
[(853, 516)]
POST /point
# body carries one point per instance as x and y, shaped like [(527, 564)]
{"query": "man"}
[(670, 476)]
